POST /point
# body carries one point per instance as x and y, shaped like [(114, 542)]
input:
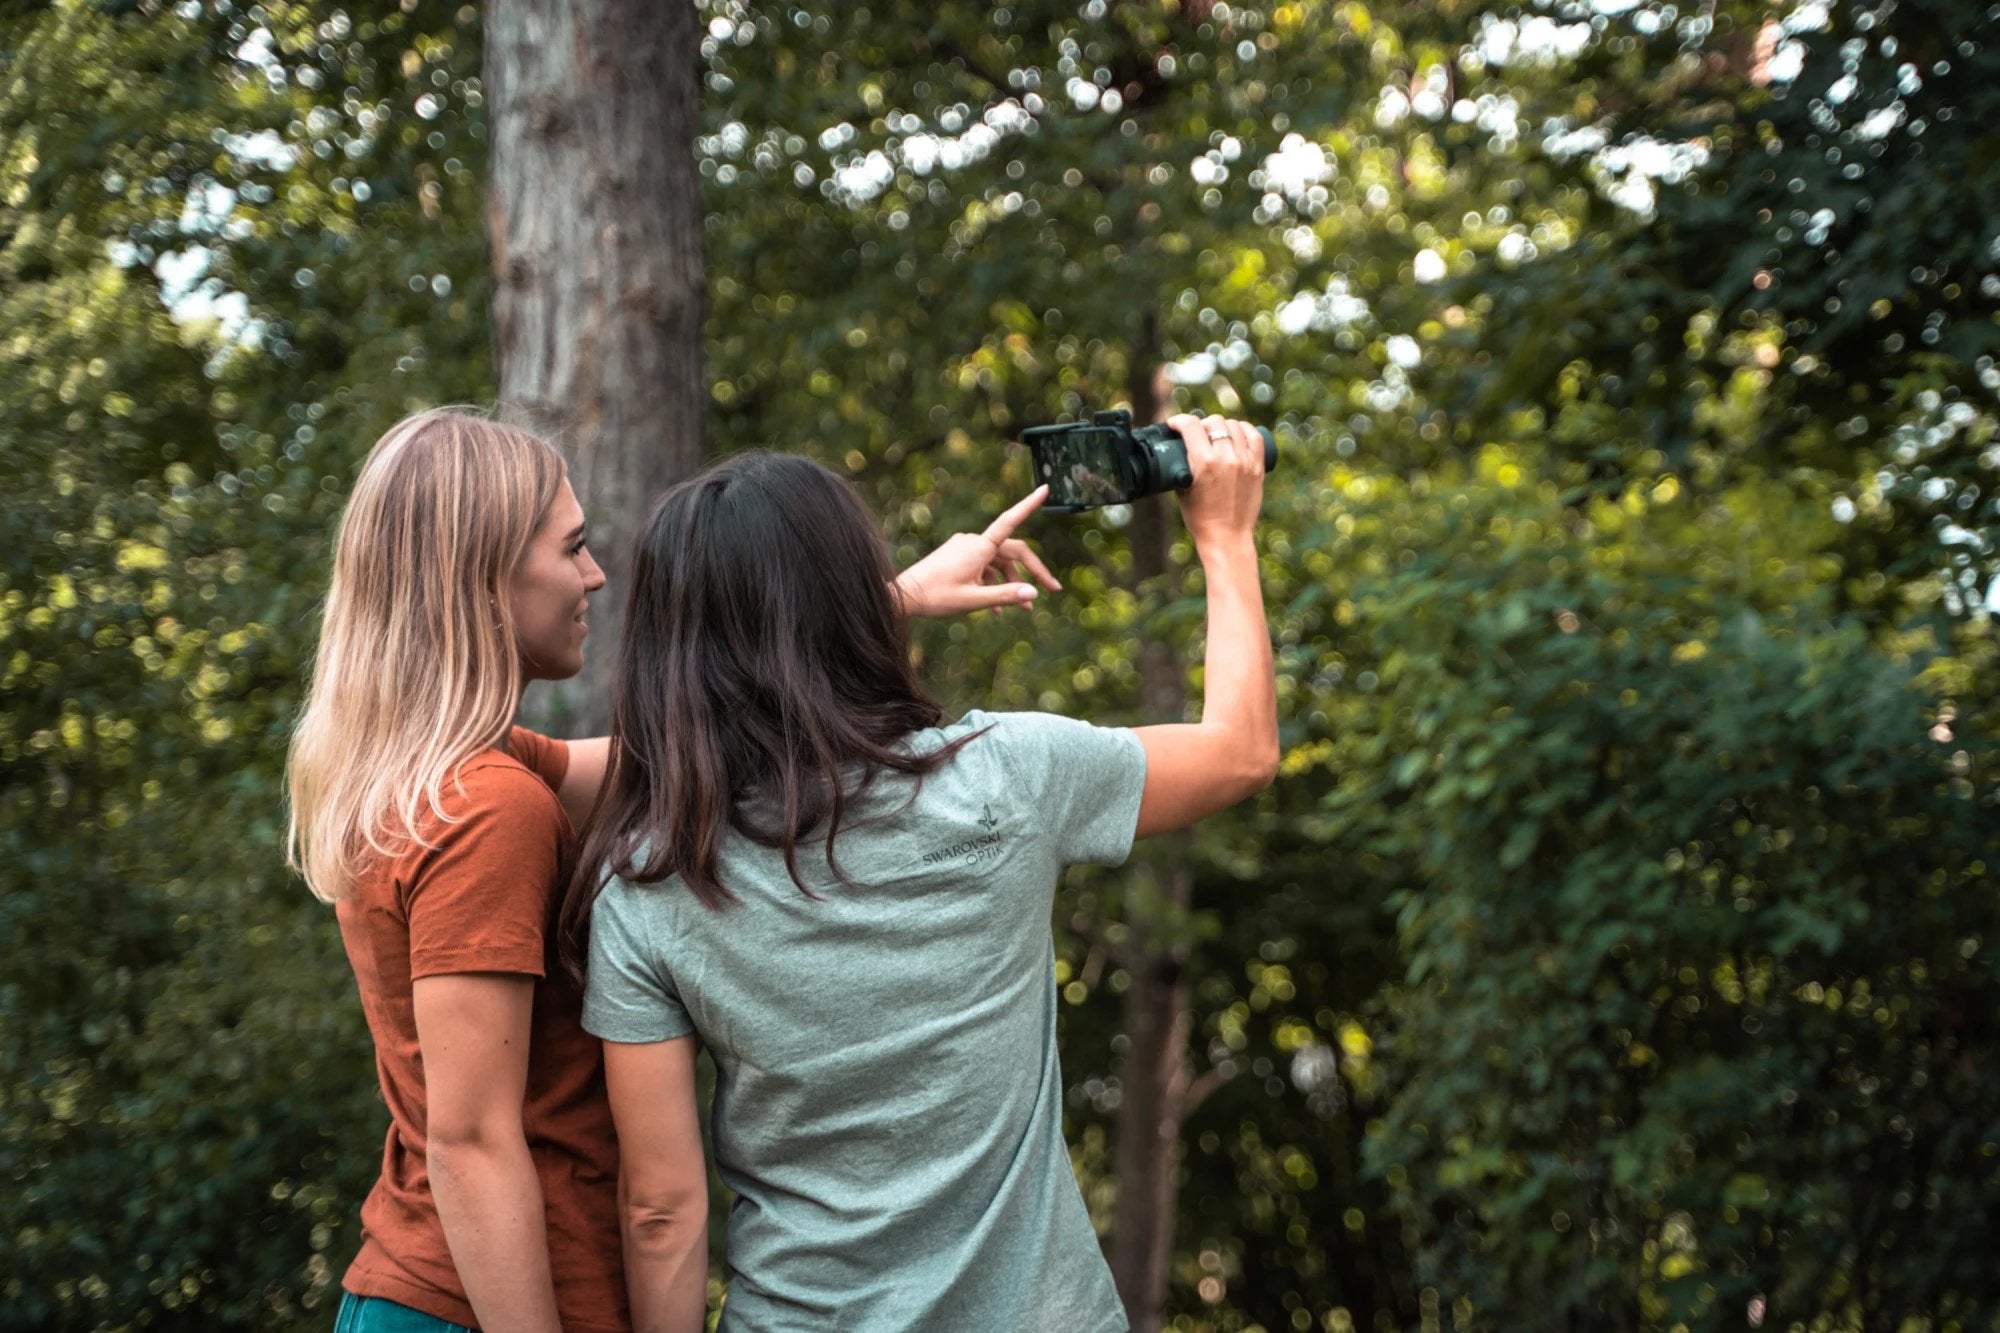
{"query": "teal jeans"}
[(372, 1314)]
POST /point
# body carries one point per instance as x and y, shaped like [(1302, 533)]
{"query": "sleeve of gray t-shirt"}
[(627, 995), (1084, 780)]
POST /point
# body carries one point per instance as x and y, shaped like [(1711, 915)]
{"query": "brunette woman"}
[(443, 833), (846, 899)]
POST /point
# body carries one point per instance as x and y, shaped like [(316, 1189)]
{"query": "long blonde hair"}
[(417, 669)]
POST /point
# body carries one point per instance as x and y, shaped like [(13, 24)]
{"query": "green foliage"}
[(1830, 262), (1686, 1020), (186, 1116)]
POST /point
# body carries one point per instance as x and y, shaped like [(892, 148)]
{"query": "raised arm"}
[(972, 571), (978, 571), (1195, 769), (585, 775)]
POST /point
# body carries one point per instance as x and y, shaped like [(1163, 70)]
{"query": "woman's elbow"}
[(472, 1136), (660, 1208), (1259, 770)]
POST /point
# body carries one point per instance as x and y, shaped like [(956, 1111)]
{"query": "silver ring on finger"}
[(1219, 433)]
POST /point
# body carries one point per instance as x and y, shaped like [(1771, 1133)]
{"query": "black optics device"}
[(1108, 461)]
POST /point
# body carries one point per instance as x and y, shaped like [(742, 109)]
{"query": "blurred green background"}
[(1617, 949)]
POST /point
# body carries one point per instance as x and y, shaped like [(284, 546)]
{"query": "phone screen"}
[(1082, 468)]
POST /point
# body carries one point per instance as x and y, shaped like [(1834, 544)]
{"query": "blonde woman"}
[(442, 834)]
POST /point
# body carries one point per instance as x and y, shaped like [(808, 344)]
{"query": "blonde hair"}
[(417, 669)]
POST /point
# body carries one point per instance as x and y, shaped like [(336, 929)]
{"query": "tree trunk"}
[(596, 224), (1153, 1082), (1153, 1088)]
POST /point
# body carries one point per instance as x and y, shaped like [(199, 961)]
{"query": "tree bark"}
[(1153, 1082), (595, 222)]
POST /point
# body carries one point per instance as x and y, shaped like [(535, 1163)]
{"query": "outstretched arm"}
[(978, 571), (580, 784), (1195, 769), (972, 571)]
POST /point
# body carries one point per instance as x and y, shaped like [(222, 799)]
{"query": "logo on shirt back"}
[(970, 851)]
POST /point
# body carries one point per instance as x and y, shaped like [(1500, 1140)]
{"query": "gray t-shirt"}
[(888, 1107)]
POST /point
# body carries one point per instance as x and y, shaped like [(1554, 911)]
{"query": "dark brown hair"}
[(763, 680)]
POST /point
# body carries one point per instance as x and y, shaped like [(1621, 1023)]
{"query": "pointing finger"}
[(1001, 528)]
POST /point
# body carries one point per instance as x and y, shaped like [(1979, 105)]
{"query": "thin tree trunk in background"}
[(1153, 1081), (598, 293)]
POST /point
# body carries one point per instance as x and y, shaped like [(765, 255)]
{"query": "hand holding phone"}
[(1106, 460)]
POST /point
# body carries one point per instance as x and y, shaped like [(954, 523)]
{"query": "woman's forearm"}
[(1194, 770), (1239, 688), (666, 1266), (490, 1202)]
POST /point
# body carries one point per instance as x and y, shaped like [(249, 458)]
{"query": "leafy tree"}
[(232, 246), (1684, 1035), (1814, 286)]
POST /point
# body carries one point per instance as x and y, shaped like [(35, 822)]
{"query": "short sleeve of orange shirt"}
[(480, 900)]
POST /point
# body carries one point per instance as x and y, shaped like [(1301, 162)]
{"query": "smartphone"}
[(1084, 468)]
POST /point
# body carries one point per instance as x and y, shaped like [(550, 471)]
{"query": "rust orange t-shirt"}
[(483, 900)]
